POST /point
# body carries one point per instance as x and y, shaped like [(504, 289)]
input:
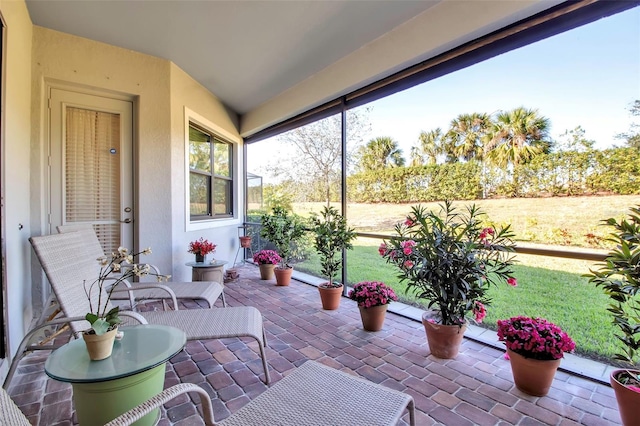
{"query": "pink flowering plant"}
[(534, 338), (266, 257), (372, 293), (450, 259)]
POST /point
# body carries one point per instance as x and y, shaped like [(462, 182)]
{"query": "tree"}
[(574, 140), (632, 137), (317, 155), (380, 153), (516, 137), (428, 149), (466, 135)]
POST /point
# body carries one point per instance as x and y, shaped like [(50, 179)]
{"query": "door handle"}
[(127, 220)]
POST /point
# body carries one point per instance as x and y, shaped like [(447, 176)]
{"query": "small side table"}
[(209, 271), (205, 271), (102, 390)]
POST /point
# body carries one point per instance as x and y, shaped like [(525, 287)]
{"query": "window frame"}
[(217, 135)]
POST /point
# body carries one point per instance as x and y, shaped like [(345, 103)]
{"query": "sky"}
[(587, 77)]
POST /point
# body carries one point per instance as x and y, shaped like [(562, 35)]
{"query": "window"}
[(210, 175)]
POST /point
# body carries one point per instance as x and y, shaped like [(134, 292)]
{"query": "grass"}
[(571, 221), (557, 292)]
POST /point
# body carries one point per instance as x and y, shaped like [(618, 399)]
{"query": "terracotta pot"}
[(628, 400), (283, 276), (245, 242), (533, 376), (330, 296), (100, 347), (266, 271), (444, 340), (373, 317)]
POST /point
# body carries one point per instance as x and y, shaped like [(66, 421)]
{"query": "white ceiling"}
[(244, 52)]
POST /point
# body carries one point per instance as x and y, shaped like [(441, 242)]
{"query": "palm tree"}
[(516, 137), (380, 153), (466, 135), (428, 149)]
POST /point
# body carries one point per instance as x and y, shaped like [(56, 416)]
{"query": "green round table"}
[(102, 390)]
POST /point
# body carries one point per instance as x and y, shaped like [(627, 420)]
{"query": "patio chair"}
[(312, 395), (296, 400), (206, 291), (67, 267)]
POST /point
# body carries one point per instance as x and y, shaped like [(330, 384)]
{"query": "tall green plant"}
[(619, 277), (283, 230), (332, 235), (450, 260)]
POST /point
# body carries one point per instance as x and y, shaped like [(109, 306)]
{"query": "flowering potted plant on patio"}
[(535, 348), (267, 261), (450, 259), (332, 236), (283, 230), (373, 298), (201, 248), (619, 277), (114, 269)]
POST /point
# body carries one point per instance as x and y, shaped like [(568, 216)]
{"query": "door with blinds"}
[(90, 163)]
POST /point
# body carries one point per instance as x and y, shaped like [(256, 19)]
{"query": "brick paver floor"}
[(475, 388)]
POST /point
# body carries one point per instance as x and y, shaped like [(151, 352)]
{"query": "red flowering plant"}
[(201, 247), (450, 259), (372, 293), (534, 338), (266, 257)]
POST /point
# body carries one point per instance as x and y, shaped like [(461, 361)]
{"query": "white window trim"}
[(238, 195)]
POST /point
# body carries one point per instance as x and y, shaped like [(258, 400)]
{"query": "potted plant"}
[(373, 298), (449, 259), (115, 269), (201, 248), (267, 261), (619, 277), (332, 236), (535, 348), (282, 230)]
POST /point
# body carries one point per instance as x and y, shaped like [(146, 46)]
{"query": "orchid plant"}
[(450, 259), (114, 269), (372, 293), (534, 338)]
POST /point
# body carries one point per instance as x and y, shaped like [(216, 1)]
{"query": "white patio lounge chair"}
[(67, 267), (296, 400), (206, 291)]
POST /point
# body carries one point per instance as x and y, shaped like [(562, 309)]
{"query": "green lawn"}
[(547, 287)]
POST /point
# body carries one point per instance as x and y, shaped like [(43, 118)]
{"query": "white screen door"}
[(91, 165)]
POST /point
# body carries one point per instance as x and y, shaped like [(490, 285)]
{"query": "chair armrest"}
[(166, 395), (144, 286)]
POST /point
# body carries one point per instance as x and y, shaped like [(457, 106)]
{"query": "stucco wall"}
[(16, 128), (186, 92), (60, 58), (160, 91)]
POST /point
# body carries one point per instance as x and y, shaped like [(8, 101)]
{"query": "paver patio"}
[(475, 388)]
